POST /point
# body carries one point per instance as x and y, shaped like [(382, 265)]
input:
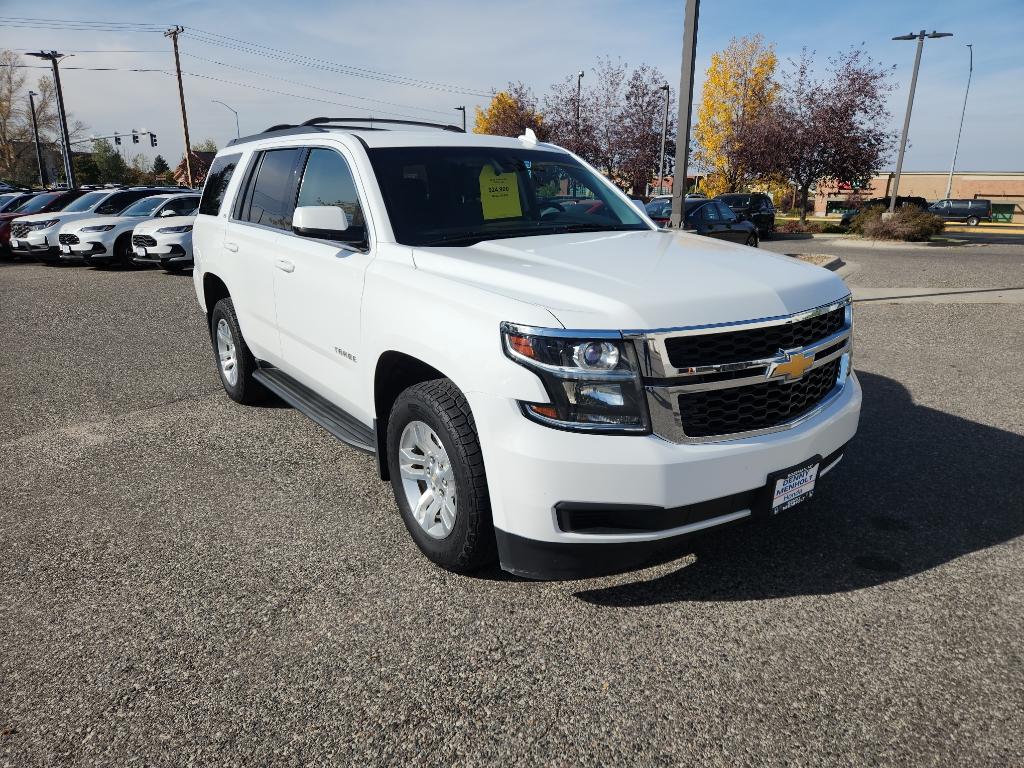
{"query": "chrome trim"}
[(560, 333), (654, 359), (666, 421)]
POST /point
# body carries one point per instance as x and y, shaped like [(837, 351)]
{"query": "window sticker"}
[(499, 194)]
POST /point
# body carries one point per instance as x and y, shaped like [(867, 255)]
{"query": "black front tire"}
[(751, 241), (123, 252), (244, 389), (441, 405), (972, 221)]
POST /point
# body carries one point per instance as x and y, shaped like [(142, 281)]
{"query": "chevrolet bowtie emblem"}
[(789, 366)]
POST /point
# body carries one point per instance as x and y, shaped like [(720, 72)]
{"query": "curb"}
[(834, 263)]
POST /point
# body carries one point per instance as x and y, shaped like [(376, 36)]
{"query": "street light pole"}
[(35, 132), (238, 134), (664, 138), (579, 92), (463, 111), (956, 149), (920, 36), (679, 185), (53, 57)]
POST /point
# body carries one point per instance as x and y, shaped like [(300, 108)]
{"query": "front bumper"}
[(81, 250), (535, 472), (36, 246)]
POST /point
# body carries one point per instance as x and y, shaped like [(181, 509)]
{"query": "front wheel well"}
[(395, 373)]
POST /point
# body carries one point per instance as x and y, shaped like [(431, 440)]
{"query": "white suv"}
[(561, 387), (108, 239)]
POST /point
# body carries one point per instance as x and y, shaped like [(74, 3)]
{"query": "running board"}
[(317, 408)]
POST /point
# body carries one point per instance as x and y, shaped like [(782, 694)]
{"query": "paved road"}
[(187, 581)]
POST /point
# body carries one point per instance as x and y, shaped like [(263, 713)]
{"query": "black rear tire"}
[(245, 389), (439, 404), (972, 221)]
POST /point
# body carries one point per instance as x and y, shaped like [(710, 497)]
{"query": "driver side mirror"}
[(167, 212), (327, 222)]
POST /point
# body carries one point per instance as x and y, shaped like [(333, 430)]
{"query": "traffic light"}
[(152, 139), (135, 137), (117, 139)]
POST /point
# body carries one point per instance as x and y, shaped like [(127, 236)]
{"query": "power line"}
[(257, 49), (314, 87)]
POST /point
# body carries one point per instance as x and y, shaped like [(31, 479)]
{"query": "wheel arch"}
[(214, 289), (394, 372)]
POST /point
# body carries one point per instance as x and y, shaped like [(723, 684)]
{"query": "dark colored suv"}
[(969, 211), (713, 218), (755, 207)]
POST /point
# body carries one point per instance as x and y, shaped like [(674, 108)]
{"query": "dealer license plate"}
[(795, 487), (140, 251), (65, 249), (15, 243)]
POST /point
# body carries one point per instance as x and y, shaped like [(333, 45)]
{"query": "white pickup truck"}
[(548, 380)]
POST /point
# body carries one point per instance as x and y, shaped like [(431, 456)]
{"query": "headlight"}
[(44, 224), (98, 228), (593, 383), (174, 230)]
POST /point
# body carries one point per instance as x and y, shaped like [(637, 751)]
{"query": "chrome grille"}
[(144, 241), (68, 239), (20, 230), (711, 383)]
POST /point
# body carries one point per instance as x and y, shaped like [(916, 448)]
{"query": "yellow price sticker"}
[(499, 194)]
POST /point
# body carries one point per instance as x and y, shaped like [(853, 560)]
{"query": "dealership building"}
[(1004, 189)]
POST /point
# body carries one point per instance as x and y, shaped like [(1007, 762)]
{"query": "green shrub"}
[(908, 223)]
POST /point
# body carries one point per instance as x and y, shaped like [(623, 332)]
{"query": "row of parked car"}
[(121, 225)]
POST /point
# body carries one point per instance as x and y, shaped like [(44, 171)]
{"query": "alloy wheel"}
[(428, 479)]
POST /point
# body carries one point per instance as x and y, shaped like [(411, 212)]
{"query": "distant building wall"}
[(1005, 190)]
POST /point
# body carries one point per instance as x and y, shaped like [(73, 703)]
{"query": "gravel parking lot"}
[(185, 581)]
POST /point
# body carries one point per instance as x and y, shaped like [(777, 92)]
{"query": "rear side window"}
[(327, 180), (710, 211), (180, 207), (271, 200), (217, 183)]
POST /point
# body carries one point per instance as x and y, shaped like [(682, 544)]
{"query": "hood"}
[(637, 280), (64, 217), (78, 224), (150, 226)]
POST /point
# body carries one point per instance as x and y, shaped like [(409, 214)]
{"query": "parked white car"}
[(36, 235), (565, 389), (166, 242), (108, 239)]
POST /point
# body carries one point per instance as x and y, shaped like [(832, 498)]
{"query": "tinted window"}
[(85, 202), (725, 212), (143, 207), (327, 180), (273, 192), (181, 207), (118, 201), (739, 201), (217, 184), (710, 212), (39, 202)]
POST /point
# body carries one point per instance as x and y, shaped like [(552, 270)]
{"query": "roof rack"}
[(326, 123)]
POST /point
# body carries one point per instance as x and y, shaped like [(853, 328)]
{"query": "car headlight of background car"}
[(175, 230), (98, 228), (593, 383), (44, 224)]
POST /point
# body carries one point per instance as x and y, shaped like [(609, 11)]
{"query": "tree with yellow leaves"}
[(739, 86), (511, 112)]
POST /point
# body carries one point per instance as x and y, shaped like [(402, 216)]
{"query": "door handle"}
[(284, 265), (233, 247)]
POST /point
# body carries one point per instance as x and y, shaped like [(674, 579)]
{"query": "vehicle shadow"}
[(916, 489)]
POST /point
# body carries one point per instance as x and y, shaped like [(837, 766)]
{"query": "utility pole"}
[(35, 132), (53, 57), (956, 149), (679, 185), (463, 111), (664, 138), (920, 36), (173, 33)]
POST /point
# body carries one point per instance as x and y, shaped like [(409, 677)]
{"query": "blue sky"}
[(477, 46)]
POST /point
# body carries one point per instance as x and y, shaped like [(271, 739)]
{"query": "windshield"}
[(6, 200), (659, 208), (38, 202), (85, 202), (462, 195), (143, 207)]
